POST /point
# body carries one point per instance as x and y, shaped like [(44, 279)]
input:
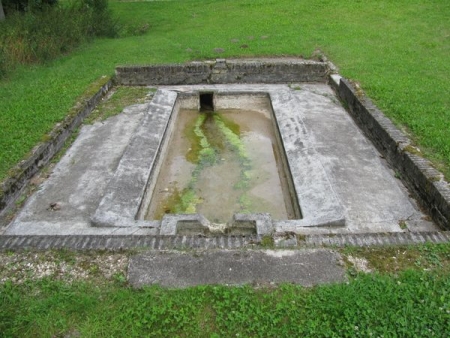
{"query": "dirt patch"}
[(359, 264), (62, 265)]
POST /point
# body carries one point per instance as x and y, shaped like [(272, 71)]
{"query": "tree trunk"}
[(2, 13)]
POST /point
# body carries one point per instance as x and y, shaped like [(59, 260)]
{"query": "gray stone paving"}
[(231, 267)]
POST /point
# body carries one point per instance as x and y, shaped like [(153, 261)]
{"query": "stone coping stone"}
[(122, 199), (174, 269), (191, 224), (223, 71)]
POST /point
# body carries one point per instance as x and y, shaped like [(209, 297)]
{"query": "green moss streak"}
[(205, 155), (235, 142), (192, 154), (168, 205), (209, 135)]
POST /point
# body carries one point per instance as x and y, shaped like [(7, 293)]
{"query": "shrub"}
[(100, 19), (40, 35), (10, 6), (3, 66)]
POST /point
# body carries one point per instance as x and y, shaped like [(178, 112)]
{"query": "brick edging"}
[(123, 242)]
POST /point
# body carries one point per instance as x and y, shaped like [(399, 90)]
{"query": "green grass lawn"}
[(412, 305), (398, 52), (406, 295)]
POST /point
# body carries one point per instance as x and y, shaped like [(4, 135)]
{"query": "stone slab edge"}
[(178, 269), (223, 71), (426, 183), (123, 242), (123, 195), (319, 205), (40, 156)]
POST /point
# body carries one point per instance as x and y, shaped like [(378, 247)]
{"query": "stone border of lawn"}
[(40, 156), (124, 242), (426, 183)]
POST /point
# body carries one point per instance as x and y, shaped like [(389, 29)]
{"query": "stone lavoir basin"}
[(218, 162), (232, 159)]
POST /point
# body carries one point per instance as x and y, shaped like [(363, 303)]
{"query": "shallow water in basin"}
[(222, 163)]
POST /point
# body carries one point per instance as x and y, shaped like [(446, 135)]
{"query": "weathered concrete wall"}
[(425, 182), (224, 71)]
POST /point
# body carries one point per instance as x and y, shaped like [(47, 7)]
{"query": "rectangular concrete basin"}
[(304, 192)]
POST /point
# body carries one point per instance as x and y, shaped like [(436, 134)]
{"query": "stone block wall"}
[(224, 71)]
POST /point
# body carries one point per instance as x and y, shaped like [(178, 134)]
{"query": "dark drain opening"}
[(207, 101)]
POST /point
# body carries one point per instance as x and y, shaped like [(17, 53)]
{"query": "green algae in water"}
[(219, 164), (167, 205), (196, 130), (209, 136), (235, 142), (188, 202), (206, 156)]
